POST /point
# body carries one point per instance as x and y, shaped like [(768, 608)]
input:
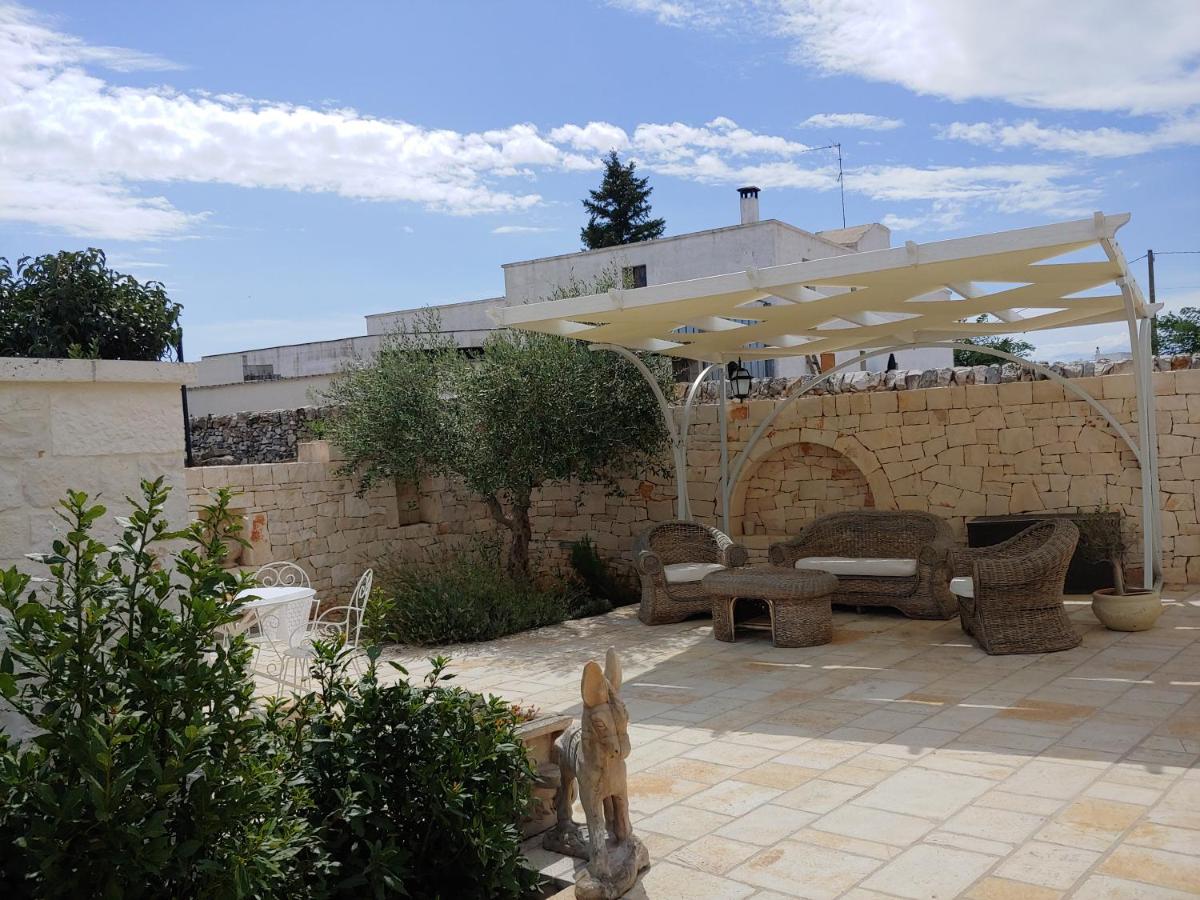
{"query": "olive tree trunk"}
[(516, 520)]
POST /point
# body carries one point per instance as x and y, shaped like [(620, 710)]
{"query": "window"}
[(257, 372), (633, 276)]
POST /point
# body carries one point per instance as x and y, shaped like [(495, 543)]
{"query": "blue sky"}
[(287, 168)]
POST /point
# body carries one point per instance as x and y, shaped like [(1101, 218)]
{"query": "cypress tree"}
[(619, 212)]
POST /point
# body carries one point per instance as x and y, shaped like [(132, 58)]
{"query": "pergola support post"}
[(677, 434), (723, 427)]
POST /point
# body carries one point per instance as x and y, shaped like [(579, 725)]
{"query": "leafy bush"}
[(464, 598), (152, 773), (416, 789), (70, 304), (601, 588)]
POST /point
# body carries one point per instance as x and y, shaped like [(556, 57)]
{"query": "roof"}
[(918, 293), (847, 236), (687, 235)]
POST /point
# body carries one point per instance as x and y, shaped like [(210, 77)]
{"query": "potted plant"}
[(1119, 608)]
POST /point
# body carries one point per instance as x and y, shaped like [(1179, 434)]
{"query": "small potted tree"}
[(1119, 608)]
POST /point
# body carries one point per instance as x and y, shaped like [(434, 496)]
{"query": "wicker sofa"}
[(1010, 594), (880, 558), (672, 558)]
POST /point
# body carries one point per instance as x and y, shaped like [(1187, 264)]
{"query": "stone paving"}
[(898, 761)]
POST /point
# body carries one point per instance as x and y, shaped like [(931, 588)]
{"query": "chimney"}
[(749, 195)]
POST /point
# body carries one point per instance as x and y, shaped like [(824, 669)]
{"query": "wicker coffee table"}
[(797, 601)]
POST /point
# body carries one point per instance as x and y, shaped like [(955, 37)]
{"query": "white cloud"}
[(1094, 142), (1008, 188), (864, 121), (703, 13), (92, 158), (1071, 54), (597, 137), (521, 229)]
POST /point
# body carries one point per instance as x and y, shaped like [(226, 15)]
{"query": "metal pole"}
[(187, 419), (723, 425), (1150, 285)]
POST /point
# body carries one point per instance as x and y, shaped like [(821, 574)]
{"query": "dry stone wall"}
[(253, 437), (959, 451)]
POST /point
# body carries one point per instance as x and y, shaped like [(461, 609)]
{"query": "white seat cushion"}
[(681, 573), (845, 565), (962, 587)]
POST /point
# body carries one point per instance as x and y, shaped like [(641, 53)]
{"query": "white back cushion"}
[(844, 565), (680, 573)]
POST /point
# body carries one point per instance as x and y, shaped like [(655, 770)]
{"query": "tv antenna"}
[(841, 175)]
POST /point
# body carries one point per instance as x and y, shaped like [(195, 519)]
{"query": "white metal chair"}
[(286, 619), (338, 621)]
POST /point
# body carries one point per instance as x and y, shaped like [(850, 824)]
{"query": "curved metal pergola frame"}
[(938, 289), (1144, 449)]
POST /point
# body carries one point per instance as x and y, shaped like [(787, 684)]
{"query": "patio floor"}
[(898, 761)]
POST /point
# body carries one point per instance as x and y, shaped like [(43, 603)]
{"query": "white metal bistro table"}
[(278, 612)]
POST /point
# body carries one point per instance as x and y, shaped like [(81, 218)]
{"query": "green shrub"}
[(70, 304), (152, 772), (464, 598), (416, 789), (601, 589)]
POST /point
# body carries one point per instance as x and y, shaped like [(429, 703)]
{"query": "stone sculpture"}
[(591, 755)]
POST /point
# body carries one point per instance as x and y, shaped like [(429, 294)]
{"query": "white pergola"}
[(914, 296)]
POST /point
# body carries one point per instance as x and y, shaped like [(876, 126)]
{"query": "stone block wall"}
[(98, 426), (253, 437), (958, 451), (307, 512)]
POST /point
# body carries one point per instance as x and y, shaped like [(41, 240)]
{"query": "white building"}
[(293, 375)]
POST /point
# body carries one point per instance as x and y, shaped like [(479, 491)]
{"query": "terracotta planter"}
[(539, 736), (1136, 610)]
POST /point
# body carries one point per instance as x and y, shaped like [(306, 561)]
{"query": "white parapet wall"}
[(94, 425)]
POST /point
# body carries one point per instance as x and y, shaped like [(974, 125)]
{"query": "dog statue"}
[(591, 755)]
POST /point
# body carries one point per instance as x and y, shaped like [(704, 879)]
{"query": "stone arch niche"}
[(790, 483)]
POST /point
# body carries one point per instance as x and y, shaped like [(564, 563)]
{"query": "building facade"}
[(295, 375)]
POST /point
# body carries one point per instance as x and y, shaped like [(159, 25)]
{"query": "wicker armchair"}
[(1010, 594), (880, 535), (661, 552)]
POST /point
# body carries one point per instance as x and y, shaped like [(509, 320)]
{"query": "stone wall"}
[(307, 512), (796, 483), (98, 426), (253, 437), (958, 451)]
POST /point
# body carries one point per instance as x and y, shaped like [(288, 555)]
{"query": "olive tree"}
[(531, 409)]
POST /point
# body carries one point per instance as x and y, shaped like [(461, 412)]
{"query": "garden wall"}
[(958, 451), (94, 425), (252, 437)]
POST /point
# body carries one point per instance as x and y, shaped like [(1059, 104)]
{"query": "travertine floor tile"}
[(1160, 867), (801, 871), (732, 798), (928, 871), (900, 748), (819, 796), (669, 881), (713, 854), (857, 821), (1048, 865), (683, 822), (924, 792)]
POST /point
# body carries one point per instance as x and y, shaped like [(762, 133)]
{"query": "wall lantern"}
[(739, 381)]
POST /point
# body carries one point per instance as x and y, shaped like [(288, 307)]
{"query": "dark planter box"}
[(1082, 577)]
